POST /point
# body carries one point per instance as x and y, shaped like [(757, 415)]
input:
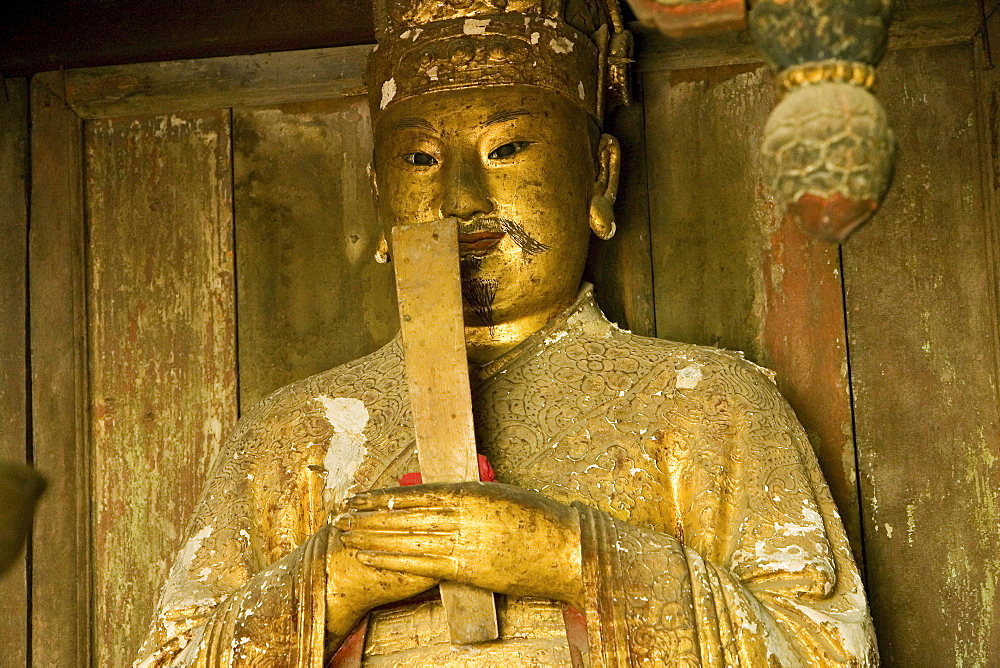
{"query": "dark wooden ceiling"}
[(38, 35)]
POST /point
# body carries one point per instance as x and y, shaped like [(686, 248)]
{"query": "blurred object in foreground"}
[(828, 150), (20, 489), (690, 18)]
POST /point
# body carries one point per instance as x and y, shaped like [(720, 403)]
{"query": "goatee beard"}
[(479, 294)]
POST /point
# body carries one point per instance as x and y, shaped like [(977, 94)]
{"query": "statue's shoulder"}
[(703, 371), (376, 380)]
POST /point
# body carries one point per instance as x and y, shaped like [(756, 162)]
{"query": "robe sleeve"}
[(755, 570), (221, 607), (278, 614), (249, 583)]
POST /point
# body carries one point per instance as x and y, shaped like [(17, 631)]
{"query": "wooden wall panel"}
[(162, 342), (923, 331), (13, 334), (730, 272), (310, 294), (703, 128), (621, 268), (61, 591)]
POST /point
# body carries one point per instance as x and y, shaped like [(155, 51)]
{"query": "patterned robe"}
[(709, 536)]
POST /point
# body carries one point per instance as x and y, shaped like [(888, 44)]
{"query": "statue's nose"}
[(464, 193)]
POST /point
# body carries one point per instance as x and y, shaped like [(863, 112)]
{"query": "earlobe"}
[(382, 245), (602, 199), (382, 249)]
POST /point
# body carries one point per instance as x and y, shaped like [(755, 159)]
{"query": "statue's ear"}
[(381, 243), (602, 198)]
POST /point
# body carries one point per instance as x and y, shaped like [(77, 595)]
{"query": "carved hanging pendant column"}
[(828, 149)]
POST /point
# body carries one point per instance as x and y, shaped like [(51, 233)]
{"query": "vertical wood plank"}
[(922, 321), (805, 342), (13, 332), (708, 218), (729, 272), (310, 294), (621, 268), (162, 349), (61, 555)]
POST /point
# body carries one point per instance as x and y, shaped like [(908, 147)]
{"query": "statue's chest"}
[(596, 444)]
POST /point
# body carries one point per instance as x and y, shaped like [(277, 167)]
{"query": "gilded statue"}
[(654, 502)]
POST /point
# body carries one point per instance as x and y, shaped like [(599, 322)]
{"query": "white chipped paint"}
[(555, 338), (792, 529), (388, 92), (583, 95), (561, 45), (182, 590), (416, 33), (534, 37), (432, 73), (347, 449), (851, 624), (405, 34), (689, 377), (788, 559), (550, 23), (811, 515), (475, 26), (744, 619), (888, 530)]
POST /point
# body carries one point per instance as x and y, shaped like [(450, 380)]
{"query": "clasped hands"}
[(494, 536)]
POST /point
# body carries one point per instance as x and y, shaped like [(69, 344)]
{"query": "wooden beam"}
[(63, 34), (13, 328), (215, 83), (162, 330), (61, 556), (922, 315)]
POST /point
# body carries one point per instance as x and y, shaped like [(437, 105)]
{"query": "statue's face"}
[(515, 166)]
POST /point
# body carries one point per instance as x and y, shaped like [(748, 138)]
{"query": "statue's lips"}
[(478, 242)]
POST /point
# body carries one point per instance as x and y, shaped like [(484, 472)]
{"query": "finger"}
[(401, 542), (423, 519), (398, 498), (433, 567)]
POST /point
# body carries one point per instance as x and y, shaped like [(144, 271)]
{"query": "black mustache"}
[(525, 241)]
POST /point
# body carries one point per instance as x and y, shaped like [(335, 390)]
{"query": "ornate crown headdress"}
[(576, 48)]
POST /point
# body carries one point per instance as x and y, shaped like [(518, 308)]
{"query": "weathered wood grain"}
[(621, 268), (13, 334), (162, 349), (729, 272), (915, 25), (707, 212), (213, 83), (310, 294), (61, 556), (921, 290)]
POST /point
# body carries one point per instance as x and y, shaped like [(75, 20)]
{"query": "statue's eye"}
[(420, 159), (507, 150)]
